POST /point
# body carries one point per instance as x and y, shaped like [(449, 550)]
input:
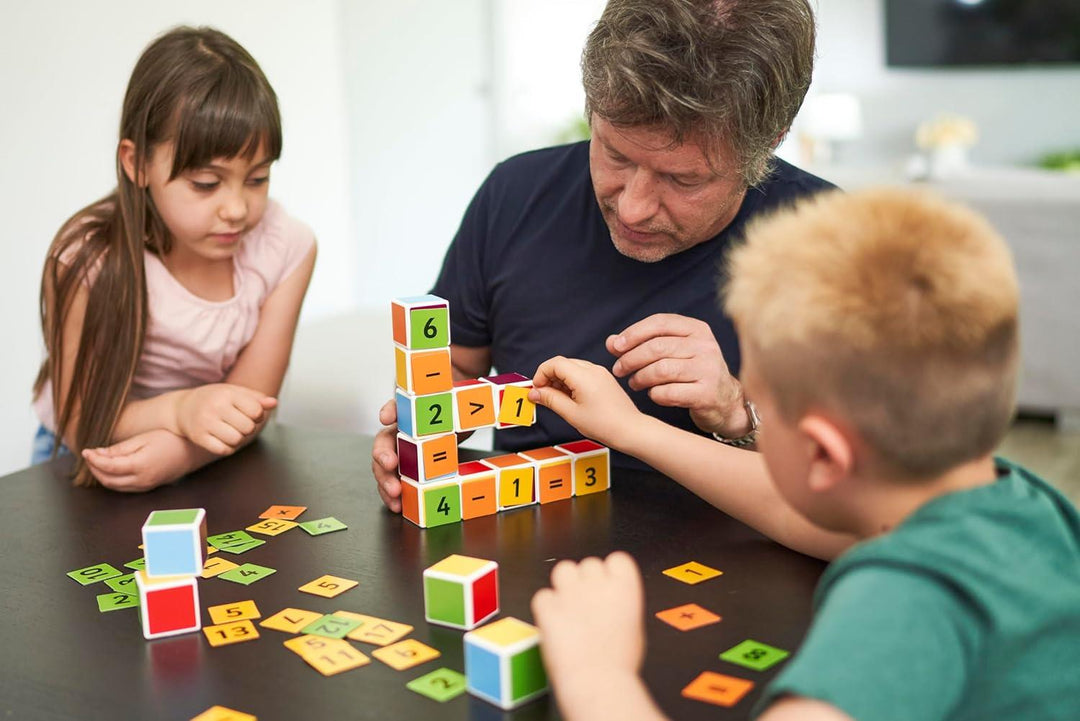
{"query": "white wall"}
[(418, 76), (1022, 113), (63, 69)]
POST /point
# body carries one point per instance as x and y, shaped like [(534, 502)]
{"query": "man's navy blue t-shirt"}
[(532, 273)]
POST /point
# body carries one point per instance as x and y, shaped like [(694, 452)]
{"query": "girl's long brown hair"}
[(200, 89)]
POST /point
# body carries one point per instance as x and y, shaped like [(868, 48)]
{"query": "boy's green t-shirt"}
[(969, 609)]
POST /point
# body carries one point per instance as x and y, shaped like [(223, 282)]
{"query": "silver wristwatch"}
[(751, 436)]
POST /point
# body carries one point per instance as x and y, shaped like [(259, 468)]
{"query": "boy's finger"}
[(553, 398)]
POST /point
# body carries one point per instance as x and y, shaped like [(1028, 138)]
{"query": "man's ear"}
[(833, 456), (126, 153)]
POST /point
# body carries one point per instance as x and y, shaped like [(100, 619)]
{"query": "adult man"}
[(562, 247)]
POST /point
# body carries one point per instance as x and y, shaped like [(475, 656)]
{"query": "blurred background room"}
[(395, 112)]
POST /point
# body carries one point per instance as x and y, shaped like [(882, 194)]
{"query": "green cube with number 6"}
[(421, 322)]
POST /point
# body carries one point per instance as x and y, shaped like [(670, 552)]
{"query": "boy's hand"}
[(139, 463), (591, 622), (220, 416), (384, 460), (587, 397), (678, 360)]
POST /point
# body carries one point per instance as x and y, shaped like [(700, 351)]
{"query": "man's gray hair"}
[(724, 73)]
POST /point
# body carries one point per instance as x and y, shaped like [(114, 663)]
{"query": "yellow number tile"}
[(405, 654), (336, 659), (229, 612), (220, 713), (272, 527), (692, 572), (290, 620), (377, 631), (328, 586), (215, 566), (229, 633)]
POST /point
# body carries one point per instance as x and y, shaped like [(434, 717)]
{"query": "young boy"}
[(879, 340)]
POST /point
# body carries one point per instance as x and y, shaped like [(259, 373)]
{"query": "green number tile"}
[(434, 413), (116, 601), (137, 565), (122, 584), (441, 685), (234, 538), (430, 328), (93, 574), (242, 547), (331, 626), (247, 574), (754, 655), (323, 525)]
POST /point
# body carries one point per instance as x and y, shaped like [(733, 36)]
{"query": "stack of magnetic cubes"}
[(174, 547), (432, 409)]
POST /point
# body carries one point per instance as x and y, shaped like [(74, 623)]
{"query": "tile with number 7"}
[(290, 620), (374, 630), (692, 572), (328, 586), (405, 654), (323, 525), (247, 574)]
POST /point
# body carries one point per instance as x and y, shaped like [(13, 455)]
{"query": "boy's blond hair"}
[(892, 310)]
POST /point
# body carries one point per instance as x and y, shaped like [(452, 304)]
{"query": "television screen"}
[(932, 33)]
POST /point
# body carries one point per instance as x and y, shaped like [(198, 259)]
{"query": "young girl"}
[(169, 306)]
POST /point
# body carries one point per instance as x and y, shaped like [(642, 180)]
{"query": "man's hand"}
[(588, 398), (220, 417), (384, 460), (592, 629), (140, 463), (680, 363)]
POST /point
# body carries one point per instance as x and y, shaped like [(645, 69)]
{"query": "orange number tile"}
[(716, 688)]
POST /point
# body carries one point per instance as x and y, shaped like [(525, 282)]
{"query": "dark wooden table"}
[(62, 659)]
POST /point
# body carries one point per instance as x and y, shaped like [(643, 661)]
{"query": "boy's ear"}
[(833, 453), (126, 153)]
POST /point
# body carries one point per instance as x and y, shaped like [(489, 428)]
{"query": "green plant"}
[(1067, 160)]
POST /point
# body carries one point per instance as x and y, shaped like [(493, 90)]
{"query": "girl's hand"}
[(588, 397), (591, 623), (220, 417), (139, 463)]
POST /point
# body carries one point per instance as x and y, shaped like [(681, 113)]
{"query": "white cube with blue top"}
[(174, 542)]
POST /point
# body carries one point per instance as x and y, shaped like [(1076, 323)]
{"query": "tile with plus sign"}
[(688, 617)]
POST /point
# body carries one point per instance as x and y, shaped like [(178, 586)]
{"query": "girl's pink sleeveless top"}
[(191, 341)]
